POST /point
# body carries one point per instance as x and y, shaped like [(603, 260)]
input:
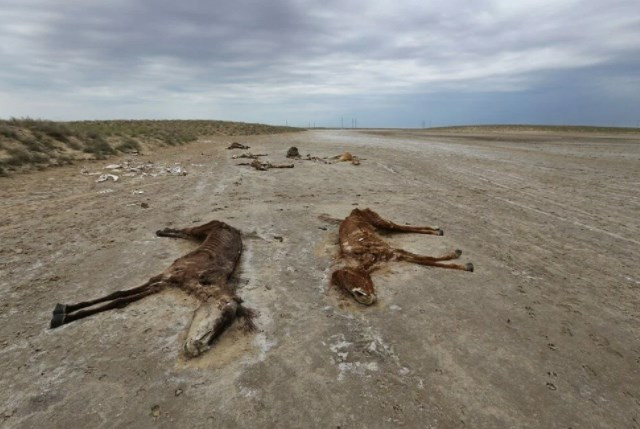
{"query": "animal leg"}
[(281, 165), (174, 233), (61, 318), (209, 321), (432, 261), (64, 309), (193, 233), (377, 221)]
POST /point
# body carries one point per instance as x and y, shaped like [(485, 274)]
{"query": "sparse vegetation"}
[(98, 146), (129, 145), (30, 142)]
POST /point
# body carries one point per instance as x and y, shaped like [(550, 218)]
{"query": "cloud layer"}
[(389, 63)]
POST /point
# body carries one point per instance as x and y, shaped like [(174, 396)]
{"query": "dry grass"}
[(27, 143)]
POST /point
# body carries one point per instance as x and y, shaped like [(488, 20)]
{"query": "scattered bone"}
[(264, 166), (177, 171), (293, 153), (203, 273), (249, 155), (105, 191), (130, 168), (236, 145), (362, 252), (105, 177), (316, 159)]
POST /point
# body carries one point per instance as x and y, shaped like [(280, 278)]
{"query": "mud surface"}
[(545, 333)]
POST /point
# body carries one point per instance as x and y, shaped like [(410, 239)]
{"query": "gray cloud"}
[(268, 61)]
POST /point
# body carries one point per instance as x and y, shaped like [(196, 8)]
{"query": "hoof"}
[(440, 232), (469, 267), (60, 309), (56, 321), (458, 253)]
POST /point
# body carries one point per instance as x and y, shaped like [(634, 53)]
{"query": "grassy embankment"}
[(30, 143)]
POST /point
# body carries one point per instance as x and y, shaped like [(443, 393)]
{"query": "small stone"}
[(178, 392), (144, 205), (19, 251)]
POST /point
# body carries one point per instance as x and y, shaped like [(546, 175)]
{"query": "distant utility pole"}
[(422, 123), (342, 122)]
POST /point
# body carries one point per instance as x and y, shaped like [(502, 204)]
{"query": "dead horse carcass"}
[(203, 273), (362, 251)]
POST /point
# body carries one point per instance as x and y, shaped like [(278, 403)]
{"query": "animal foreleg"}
[(377, 221), (209, 321), (433, 261)]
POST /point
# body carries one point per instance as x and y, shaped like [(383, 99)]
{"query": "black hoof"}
[(57, 320), (458, 253), (440, 232), (469, 267), (60, 309)]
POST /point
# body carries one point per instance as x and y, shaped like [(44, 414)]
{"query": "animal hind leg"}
[(69, 308), (377, 221), (433, 261), (62, 318)]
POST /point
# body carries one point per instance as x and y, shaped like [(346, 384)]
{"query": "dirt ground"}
[(544, 334)]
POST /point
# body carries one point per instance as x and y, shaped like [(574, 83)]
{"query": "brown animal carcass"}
[(362, 251)]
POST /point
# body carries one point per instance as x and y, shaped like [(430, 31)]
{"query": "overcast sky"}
[(387, 63)]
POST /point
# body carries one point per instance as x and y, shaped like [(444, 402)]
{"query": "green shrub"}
[(8, 132), (128, 144), (33, 145), (18, 156), (73, 144), (98, 146)]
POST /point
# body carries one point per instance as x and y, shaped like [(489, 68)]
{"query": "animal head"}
[(357, 282)]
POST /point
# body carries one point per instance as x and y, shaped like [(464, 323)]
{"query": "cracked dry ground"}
[(545, 333)]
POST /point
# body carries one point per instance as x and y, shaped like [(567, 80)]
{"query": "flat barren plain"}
[(544, 334)]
